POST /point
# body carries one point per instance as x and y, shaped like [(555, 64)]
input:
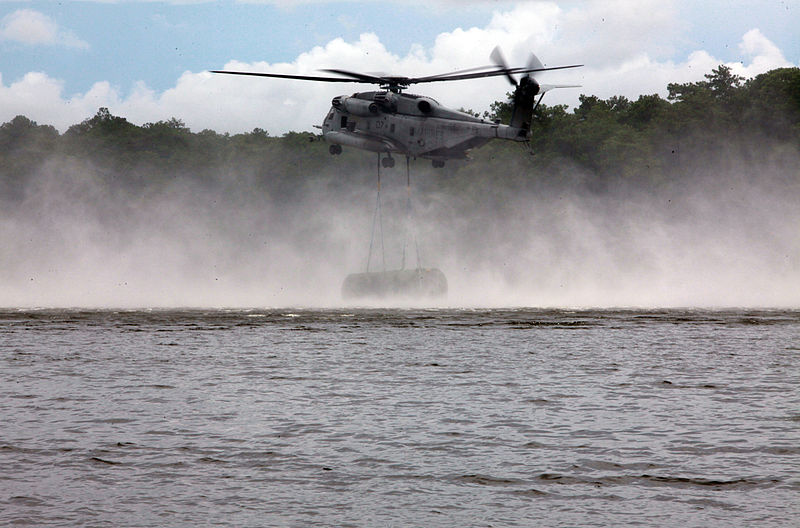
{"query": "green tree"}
[(645, 111), (774, 103), (24, 147)]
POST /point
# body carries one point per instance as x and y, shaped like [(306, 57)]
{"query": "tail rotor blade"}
[(529, 80), (534, 63), (499, 60)]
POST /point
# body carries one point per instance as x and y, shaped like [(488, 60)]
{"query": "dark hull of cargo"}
[(415, 283)]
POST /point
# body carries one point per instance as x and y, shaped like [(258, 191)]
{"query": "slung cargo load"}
[(410, 284)]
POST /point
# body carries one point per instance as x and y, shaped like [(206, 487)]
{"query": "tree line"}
[(616, 141)]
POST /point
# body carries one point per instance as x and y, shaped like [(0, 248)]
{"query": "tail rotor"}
[(525, 91)]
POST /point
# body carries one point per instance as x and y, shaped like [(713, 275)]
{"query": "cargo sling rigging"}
[(409, 231)]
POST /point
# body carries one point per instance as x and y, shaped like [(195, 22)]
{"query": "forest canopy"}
[(616, 140)]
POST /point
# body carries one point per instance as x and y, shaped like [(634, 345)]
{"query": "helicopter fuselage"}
[(391, 121), (413, 125)]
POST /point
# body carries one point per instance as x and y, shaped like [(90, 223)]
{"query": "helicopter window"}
[(411, 131), (330, 116), (344, 122)]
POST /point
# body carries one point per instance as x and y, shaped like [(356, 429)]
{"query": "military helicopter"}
[(393, 122)]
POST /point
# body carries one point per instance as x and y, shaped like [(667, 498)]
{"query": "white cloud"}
[(34, 28), (41, 98), (764, 55), (622, 49), (287, 4)]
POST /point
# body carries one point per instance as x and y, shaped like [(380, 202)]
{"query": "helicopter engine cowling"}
[(360, 107), (424, 106)]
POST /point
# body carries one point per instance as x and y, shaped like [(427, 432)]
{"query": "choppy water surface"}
[(400, 418)]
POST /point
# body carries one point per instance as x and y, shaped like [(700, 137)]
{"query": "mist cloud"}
[(722, 234)]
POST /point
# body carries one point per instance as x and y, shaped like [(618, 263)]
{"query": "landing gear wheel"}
[(387, 163), (335, 149), (437, 164)]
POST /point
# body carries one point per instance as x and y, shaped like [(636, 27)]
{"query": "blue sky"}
[(147, 60), (157, 41)]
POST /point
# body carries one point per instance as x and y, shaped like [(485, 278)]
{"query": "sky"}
[(149, 60)]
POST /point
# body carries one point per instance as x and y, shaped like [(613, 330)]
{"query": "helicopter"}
[(391, 121)]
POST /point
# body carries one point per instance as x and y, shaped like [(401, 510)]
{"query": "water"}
[(399, 418)]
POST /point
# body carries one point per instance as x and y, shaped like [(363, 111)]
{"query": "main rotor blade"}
[(362, 77), (288, 76), (431, 78), (492, 73), (471, 73), (547, 87)]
